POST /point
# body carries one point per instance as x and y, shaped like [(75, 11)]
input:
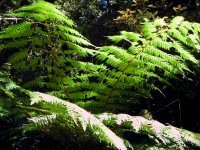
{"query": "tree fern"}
[(56, 56), (53, 55)]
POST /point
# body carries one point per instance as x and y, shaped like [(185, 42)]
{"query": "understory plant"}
[(30, 119), (47, 54)]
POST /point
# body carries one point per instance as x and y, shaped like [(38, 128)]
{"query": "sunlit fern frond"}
[(69, 118), (170, 137), (160, 52)]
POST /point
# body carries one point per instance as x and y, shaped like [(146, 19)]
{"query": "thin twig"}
[(15, 19), (165, 106), (180, 112)]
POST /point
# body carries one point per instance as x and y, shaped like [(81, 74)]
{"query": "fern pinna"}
[(51, 53)]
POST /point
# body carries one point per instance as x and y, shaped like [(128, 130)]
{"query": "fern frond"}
[(74, 114), (18, 56), (148, 29), (133, 37), (19, 43), (57, 56), (7, 85), (47, 45), (42, 11), (183, 52), (17, 31), (116, 39), (149, 51), (176, 22), (156, 131), (159, 43)]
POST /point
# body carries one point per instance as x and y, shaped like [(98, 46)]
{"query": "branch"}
[(14, 19)]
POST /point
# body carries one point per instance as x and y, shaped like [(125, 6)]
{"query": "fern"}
[(59, 60), (46, 32), (75, 117), (52, 55), (57, 119), (46, 111), (163, 137), (7, 85), (148, 52)]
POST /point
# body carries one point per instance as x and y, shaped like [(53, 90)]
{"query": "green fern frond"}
[(118, 52), (68, 30), (148, 52), (178, 36), (184, 53), (176, 22), (133, 37), (17, 31), (42, 11), (18, 56), (148, 29), (116, 39), (7, 86), (159, 43), (18, 43), (59, 59), (46, 44)]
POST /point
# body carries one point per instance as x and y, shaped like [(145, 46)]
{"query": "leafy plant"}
[(39, 116), (51, 51), (53, 117), (51, 56), (158, 53), (46, 43)]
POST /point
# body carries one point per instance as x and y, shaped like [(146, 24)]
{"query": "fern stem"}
[(55, 62), (61, 79), (119, 77)]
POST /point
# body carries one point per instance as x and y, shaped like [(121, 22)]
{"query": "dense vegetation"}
[(97, 94)]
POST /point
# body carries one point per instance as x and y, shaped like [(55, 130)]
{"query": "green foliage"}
[(56, 118), (7, 85), (69, 118), (71, 127), (55, 57), (159, 53), (47, 43), (52, 56)]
